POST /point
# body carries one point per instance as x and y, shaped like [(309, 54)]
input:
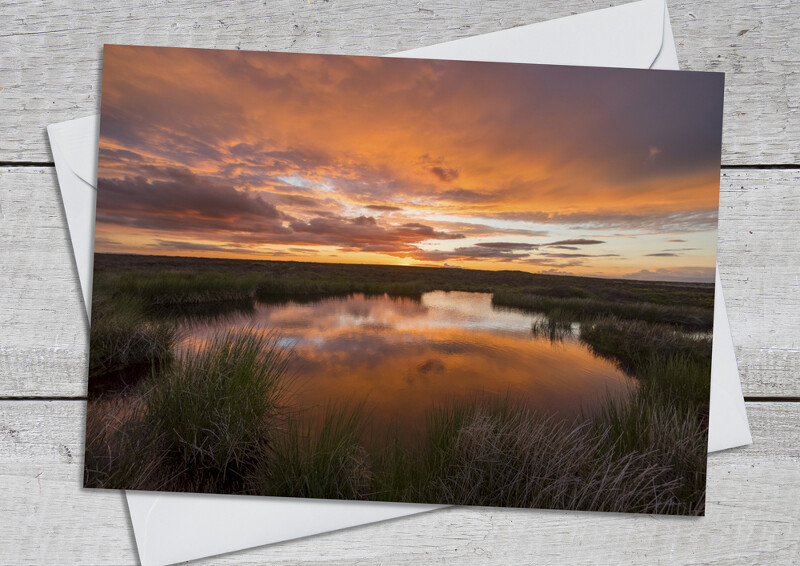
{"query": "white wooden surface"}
[(49, 71)]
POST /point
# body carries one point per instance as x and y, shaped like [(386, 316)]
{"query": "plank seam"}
[(781, 166), (36, 398), (27, 164)]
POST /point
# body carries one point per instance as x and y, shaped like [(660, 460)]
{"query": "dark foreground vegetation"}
[(221, 420)]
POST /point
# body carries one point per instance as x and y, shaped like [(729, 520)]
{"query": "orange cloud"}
[(241, 152)]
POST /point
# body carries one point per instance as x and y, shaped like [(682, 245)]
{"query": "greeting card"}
[(403, 280)]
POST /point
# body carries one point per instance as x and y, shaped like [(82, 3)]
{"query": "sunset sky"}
[(587, 171)]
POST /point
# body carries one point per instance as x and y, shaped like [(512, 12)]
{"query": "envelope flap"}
[(77, 140), (74, 147), (627, 36), (176, 527)]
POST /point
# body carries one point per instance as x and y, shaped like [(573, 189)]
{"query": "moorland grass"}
[(581, 309), (320, 458), (500, 454), (122, 337), (154, 289), (218, 421), (286, 288), (204, 424), (635, 344), (446, 279)]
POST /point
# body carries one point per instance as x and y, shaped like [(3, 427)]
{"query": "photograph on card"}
[(408, 280)]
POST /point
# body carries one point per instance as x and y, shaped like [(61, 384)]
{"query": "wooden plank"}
[(44, 347), (43, 323), (752, 516), (758, 258), (46, 514), (50, 52)]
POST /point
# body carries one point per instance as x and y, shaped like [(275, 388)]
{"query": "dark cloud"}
[(475, 230), (382, 247), (507, 245), (465, 196), (578, 255), (364, 221), (576, 242), (383, 208), (298, 200), (106, 242), (366, 234), (662, 254), (417, 229), (676, 240), (472, 253), (175, 245), (279, 162), (564, 247), (508, 251), (567, 255), (444, 174), (175, 199), (108, 154)]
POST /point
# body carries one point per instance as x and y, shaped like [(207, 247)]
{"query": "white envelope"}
[(171, 527)]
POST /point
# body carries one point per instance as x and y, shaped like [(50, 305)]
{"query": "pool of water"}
[(402, 356)]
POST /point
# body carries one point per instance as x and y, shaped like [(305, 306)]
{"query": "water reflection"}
[(404, 355)]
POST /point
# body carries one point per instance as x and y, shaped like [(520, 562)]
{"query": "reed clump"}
[(635, 344), (205, 424), (321, 458), (122, 338), (501, 454), (584, 309), (552, 328)]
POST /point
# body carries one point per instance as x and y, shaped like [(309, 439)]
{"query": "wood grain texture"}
[(50, 51), (751, 517), (759, 263), (45, 347)]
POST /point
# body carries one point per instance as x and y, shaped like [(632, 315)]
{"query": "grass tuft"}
[(554, 329), (501, 454), (123, 340), (324, 460), (204, 424)]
